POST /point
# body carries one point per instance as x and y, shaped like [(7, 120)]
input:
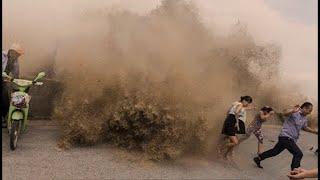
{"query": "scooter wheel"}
[(14, 135)]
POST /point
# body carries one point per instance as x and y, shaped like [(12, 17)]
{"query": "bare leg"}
[(259, 137), (230, 146), (260, 148), (241, 138), (222, 145)]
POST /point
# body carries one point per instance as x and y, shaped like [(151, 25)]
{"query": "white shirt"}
[(241, 115)]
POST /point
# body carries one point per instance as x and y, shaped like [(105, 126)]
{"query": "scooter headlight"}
[(19, 101)]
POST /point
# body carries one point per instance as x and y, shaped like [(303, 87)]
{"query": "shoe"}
[(257, 161)]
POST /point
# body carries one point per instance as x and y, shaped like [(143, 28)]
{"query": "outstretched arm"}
[(309, 129), (250, 107), (288, 112)]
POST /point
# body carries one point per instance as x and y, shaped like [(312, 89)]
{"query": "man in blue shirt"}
[(289, 135)]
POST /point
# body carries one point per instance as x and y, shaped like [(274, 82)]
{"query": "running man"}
[(289, 135)]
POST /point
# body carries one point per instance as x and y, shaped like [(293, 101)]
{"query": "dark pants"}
[(290, 145), (5, 99)]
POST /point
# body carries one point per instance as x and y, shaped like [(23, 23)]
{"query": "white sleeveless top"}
[(242, 114)]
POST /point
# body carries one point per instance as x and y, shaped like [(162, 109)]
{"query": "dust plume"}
[(158, 82)]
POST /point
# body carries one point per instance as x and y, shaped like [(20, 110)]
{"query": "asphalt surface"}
[(38, 158)]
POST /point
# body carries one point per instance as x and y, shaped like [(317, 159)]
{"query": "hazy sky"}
[(290, 23), (303, 11)]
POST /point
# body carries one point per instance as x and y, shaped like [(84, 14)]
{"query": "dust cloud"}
[(154, 79)]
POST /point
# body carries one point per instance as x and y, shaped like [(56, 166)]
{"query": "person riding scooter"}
[(10, 64)]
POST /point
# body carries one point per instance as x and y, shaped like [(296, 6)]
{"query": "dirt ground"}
[(38, 158)]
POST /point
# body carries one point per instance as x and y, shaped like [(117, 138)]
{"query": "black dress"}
[(242, 127), (229, 124)]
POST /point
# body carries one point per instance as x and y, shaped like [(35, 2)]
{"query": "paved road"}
[(38, 158)]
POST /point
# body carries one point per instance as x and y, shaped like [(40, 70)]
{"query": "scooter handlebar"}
[(38, 83), (8, 80)]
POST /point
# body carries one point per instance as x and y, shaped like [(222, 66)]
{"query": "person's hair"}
[(266, 109), (306, 104), (246, 98), (9, 51)]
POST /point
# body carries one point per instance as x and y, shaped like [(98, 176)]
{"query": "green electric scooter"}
[(19, 106)]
